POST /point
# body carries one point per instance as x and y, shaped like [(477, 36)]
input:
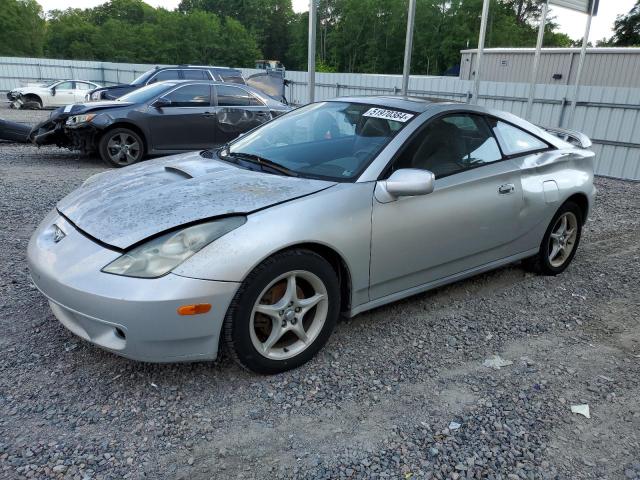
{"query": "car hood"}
[(80, 108), (123, 207)]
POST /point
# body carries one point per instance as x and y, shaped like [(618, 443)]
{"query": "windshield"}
[(145, 94), (333, 140), (142, 79)]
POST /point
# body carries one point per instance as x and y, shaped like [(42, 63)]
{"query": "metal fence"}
[(609, 115), (17, 71)]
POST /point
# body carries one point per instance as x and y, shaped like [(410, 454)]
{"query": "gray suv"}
[(160, 74)]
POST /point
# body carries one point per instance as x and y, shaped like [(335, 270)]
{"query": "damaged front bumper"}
[(54, 131)]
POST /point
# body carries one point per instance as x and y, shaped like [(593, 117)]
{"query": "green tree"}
[(627, 28), (132, 31), (269, 21), (21, 28)]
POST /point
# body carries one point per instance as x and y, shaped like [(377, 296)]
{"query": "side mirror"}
[(404, 183), (53, 91), (161, 102)]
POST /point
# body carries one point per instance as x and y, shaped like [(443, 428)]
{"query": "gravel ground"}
[(398, 392)]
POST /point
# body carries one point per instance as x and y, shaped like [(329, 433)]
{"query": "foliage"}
[(21, 28), (369, 35), (353, 35), (627, 29)]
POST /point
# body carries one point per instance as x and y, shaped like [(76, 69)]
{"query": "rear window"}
[(514, 140), (229, 96)]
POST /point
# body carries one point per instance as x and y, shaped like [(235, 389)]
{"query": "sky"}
[(571, 23)]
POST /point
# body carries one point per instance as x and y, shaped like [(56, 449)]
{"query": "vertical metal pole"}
[(536, 60), (408, 46), (311, 61), (483, 33), (583, 54)]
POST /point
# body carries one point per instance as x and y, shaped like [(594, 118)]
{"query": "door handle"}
[(506, 188)]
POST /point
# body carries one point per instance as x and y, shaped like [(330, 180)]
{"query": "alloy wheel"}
[(123, 149), (562, 240), (289, 315)]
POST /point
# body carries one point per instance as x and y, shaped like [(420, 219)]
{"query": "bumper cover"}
[(134, 318)]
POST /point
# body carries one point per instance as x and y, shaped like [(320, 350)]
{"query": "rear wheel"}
[(560, 241), (283, 313), (121, 147)]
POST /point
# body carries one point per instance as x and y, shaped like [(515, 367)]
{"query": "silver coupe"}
[(334, 208)]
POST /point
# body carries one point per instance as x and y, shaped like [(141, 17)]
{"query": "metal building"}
[(607, 67)]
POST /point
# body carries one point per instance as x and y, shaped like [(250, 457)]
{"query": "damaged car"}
[(159, 119), (53, 94), (337, 207)]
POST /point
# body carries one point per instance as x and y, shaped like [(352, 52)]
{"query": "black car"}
[(160, 74), (162, 118)]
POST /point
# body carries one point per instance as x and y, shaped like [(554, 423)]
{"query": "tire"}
[(111, 152), (548, 263), (271, 340)]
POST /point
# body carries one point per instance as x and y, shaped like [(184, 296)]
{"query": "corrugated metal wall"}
[(609, 115), (16, 71), (607, 67)]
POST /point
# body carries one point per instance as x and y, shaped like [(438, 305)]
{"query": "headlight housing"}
[(159, 256), (95, 95), (79, 119)]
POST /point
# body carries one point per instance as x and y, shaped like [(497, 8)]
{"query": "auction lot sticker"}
[(388, 114)]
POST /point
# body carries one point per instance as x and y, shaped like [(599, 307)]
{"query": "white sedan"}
[(53, 94)]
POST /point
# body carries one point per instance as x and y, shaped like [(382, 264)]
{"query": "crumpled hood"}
[(80, 108), (124, 207)]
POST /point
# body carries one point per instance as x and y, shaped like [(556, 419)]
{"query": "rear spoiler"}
[(573, 137)]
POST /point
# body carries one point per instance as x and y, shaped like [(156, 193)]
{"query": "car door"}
[(237, 111), (63, 94), (187, 122), (470, 219), (81, 89)]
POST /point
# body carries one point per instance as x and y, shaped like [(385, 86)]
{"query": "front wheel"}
[(283, 313), (560, 241), (121, 147)]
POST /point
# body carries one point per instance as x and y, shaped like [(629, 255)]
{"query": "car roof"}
[(412, 104)]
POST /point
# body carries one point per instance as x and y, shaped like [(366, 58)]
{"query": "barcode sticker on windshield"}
[(68, 108), (388, 114)]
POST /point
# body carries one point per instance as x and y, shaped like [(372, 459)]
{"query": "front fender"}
[(338, 218)]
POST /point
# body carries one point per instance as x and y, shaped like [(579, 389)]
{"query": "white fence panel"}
[(609, 115)]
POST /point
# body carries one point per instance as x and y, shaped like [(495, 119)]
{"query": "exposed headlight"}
[(96, 95), (78, 119), (164, 253)]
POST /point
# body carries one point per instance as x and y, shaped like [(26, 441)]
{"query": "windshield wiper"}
[(264, 162)]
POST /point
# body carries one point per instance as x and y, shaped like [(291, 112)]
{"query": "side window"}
[(65, 86), (232, 96), (164, 75), (190, 96), (83, 86), (450, 145), (514, 140), (195, 74)]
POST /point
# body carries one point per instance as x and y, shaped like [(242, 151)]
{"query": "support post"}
[(483, 33), (536, 60), (311, 60), (408, 47), (583, 54)]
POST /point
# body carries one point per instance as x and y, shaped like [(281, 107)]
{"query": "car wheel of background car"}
[(283, 313), (121, 147), (559, 243)]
